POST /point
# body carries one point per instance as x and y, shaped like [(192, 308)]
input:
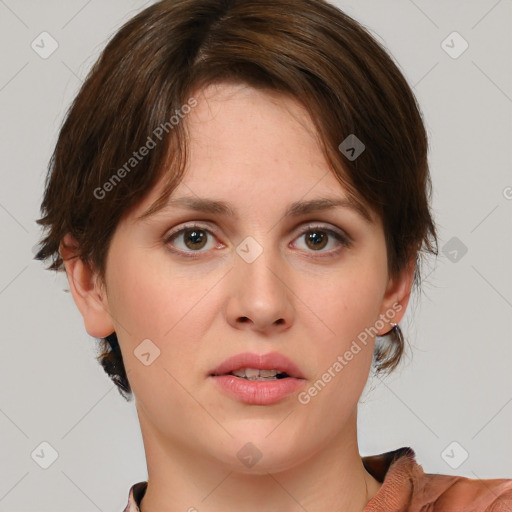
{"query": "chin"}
[(253, 451)]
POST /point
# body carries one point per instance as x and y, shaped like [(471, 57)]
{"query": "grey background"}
[(455, 384)]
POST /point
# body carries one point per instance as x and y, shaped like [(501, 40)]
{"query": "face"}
[(187, 289)]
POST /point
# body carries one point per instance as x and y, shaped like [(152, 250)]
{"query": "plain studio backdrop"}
[(451, 398)]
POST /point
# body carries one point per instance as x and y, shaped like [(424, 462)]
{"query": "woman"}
[(240, 199)]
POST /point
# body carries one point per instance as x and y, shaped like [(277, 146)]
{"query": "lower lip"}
[(257, 392)]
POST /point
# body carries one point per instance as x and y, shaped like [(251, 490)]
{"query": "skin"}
[(257, 150)]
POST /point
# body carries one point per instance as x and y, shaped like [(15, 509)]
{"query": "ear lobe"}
[(397, 296), (88, 294)]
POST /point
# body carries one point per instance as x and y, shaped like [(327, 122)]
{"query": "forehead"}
[(247, 145), (244, 102), (240, 135)]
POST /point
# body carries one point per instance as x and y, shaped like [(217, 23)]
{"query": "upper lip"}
[(270, 361)]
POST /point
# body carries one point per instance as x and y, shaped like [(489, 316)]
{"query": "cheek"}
[(344, 353), (349, 303), (138, 299), (150, 299), (347, 307)]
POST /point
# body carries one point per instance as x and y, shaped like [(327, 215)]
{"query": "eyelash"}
[(343, 239)]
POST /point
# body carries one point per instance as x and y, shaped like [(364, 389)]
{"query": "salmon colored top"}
[(406, 488)]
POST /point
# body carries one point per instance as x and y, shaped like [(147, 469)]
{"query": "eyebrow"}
[(295, 209)]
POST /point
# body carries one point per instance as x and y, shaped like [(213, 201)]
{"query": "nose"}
[(259, 296)]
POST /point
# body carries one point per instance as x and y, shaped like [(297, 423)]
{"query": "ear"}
[(396, 297), (88, 293)]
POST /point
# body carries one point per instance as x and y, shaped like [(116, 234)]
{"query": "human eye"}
[(190, 239), (318, 237)]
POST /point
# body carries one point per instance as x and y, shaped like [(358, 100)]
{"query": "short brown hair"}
[(306, 49)]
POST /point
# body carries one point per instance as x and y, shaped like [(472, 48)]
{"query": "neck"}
[(332, 478)]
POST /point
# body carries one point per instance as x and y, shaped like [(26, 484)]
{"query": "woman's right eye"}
[(190, 239)]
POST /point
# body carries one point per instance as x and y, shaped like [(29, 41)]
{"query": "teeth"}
[(268, 373), (252, 373), (255, 374)]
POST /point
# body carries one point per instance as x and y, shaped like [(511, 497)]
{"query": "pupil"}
[(317, 239), (195, 237)]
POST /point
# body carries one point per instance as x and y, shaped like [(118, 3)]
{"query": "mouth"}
[(255, 379), (258, 367), (256, 374)]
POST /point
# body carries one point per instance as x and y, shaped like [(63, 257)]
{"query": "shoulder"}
[(406, 487), (458, 493)]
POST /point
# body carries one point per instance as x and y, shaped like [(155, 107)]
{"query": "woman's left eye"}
[(316, 238), (195, 238)]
